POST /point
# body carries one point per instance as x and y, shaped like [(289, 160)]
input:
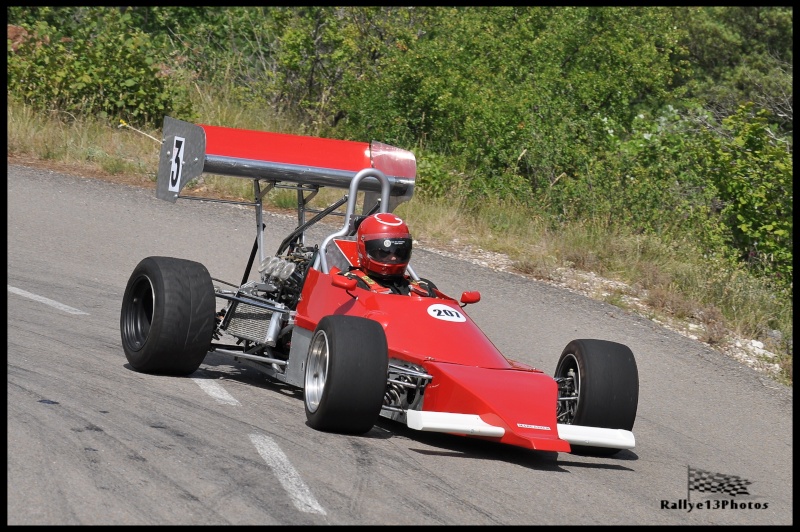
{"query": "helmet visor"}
[(389, 250)]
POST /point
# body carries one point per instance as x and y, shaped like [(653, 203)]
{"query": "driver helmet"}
[(384, 245)]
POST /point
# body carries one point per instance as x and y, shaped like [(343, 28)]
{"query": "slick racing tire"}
[(606, 382), (345, 374), (167, 318)]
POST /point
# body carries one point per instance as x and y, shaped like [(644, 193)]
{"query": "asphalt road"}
[(92, 442)]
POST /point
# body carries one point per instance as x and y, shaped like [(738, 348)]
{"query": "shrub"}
[(105, 68)]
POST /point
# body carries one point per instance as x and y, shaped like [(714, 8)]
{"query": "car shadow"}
[(439, 444), (456, 446), (224, 366)]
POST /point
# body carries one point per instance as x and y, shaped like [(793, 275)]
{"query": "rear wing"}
[(189, 150), (384, 173)]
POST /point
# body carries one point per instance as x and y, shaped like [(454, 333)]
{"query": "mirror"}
[(341, 281), (470, 297)]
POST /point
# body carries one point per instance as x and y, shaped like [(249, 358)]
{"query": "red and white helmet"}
[(384, 244)]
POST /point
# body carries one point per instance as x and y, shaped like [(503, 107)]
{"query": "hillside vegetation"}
[(651, 145)]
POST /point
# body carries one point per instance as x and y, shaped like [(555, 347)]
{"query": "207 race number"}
[(443, 312)]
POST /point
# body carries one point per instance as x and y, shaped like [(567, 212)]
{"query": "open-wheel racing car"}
[(301, 322)]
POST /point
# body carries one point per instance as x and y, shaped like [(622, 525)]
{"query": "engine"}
[(282, 277), (280, 284)]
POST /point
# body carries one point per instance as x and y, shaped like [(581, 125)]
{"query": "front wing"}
[(516, 407)]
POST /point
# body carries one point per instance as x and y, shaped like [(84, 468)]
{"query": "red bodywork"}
[(305, 151), (470, 375)]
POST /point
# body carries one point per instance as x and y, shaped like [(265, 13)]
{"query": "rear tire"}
[(167, 317), (345, 374), (606, 384)]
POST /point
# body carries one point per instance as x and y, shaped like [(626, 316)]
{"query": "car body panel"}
[(518, 401), (412, 330)]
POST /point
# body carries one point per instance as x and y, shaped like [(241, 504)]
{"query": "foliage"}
[(754, 180), (103, 67), (435, 175), (513, 91), (740, 55), (668, 121)]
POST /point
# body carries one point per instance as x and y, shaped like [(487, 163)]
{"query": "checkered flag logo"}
[(706, 481)]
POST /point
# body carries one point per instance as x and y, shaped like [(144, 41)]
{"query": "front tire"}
[(167, 317), (600, 382), (345, 374)]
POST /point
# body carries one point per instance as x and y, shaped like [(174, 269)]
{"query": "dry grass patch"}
[(670, 302), (715, 329)]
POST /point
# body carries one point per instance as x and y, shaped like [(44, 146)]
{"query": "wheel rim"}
[(138, 313), (316, 371), (569, 389)]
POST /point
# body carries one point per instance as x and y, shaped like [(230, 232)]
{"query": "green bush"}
[(105, 68), (754, 179), (727, 187)]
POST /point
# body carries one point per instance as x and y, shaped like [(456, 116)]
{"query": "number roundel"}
[(443, 312)]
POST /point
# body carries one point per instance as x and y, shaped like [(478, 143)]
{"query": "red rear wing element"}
[(189, 150)]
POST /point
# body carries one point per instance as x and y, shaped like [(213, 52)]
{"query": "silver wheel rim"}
[(316, 370)]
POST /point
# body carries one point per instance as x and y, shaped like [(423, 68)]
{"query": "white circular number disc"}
[(443, 312)]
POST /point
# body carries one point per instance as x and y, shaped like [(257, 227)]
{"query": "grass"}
[(78, 142), (671, 280)]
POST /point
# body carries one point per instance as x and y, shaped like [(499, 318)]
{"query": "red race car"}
[(313, 320)]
